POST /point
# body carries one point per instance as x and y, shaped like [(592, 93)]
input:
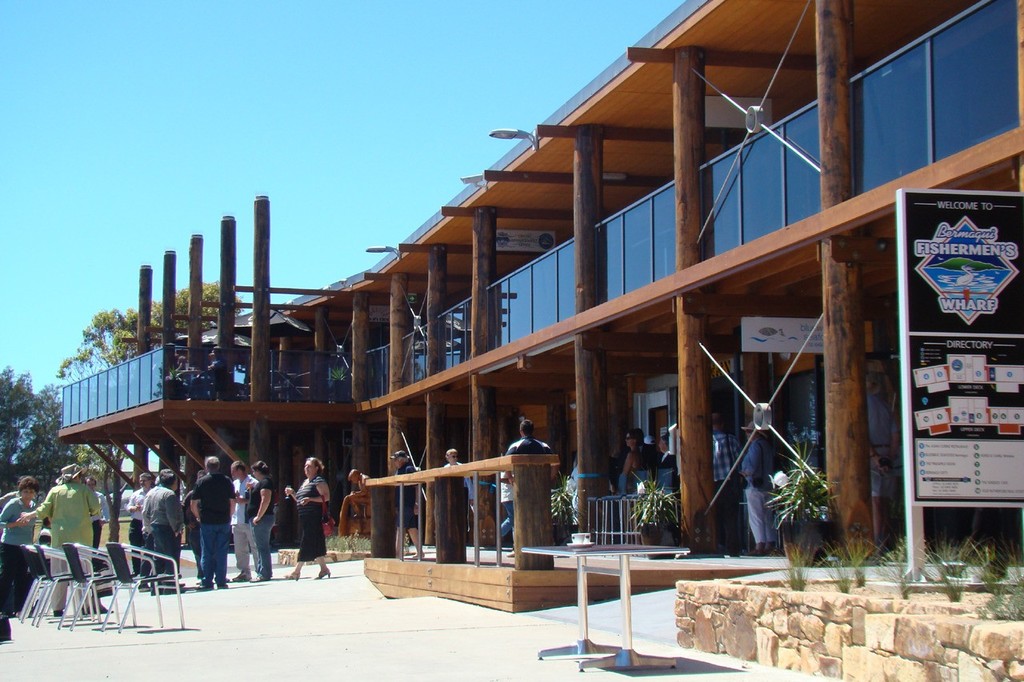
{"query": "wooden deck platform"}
[(508, 589)]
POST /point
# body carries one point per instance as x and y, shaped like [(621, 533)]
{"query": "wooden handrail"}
[(465, 470)]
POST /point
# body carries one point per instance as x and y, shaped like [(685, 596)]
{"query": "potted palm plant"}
[(563, 510), (802, 501), (655, 509)]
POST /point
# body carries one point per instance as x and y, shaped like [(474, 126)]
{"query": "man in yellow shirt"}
[(70, 506)]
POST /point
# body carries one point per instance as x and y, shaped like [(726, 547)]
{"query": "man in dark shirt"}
[(527, 445), (213, 503)]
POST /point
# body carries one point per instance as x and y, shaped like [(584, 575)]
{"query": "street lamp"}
[(383, 249), (515, 134)]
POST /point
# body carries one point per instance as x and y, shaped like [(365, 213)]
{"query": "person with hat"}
[(756, 468), (69, 506), (409, 497)]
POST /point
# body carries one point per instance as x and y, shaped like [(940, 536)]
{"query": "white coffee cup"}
[(580, 538)]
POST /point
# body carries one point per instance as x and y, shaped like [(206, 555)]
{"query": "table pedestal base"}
[(582, 647), (627, 658)]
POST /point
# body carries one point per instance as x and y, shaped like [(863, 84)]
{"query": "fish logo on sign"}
[(968, 267)]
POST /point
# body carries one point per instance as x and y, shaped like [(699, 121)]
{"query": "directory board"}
[(962, 346)]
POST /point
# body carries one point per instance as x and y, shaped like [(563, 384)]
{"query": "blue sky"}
[(126, 127)]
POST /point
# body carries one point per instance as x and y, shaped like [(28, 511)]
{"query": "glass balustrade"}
[(377, 371), (455, 333), (205, 374), (536, 295)]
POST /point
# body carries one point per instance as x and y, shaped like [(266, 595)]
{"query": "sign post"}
[(962, 349)]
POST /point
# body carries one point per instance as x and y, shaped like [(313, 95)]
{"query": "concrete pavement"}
[(342, 628)]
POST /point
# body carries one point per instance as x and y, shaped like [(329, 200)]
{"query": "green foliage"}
[(951, 561), (348, 543), (800, 559), (654, 504), (992, 567), (563, 507), (893, 567), (805, 494), (839, 571), (107, 340), (337, 373), (29, 423), (1007, 604)]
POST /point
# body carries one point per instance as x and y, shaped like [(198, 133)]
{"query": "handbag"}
[(330, 528)]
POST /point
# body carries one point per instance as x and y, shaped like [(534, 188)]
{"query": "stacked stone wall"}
[(847, 636)]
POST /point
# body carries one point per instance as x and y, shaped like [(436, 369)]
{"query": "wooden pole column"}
[(846, 439), (195, 301), (437, 286), (142, 334), (449, 518), (321, 330), (259, 367), (360, 342), (483, 322), (694, 371), (226, 307), (167, 314), (591, 428), (145, 319), (399, 360)]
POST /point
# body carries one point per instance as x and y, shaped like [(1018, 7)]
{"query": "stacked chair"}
[(90, 570)]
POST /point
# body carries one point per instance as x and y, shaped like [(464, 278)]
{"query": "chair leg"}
[(113, 605), (30, 600)]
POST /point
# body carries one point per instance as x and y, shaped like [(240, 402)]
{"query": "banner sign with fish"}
[(962, 345), (780, 335)]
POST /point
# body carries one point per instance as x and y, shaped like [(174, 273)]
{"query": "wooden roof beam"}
[(215, 437), (142, 464), (566, 178), (849, 249), (720, 58), (459, 249), (739, 305), (248, 288), (509, 213), (160, 455), (632, 343), (183, 444), (526, 381), (112, 464), (618, 133)]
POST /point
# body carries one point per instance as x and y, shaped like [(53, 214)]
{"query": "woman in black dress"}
[(310, 499)]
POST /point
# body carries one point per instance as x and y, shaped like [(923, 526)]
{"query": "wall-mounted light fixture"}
[(515, 134), (383, 249)]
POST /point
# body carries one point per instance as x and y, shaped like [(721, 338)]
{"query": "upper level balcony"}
[(205, 374), (945, 92)]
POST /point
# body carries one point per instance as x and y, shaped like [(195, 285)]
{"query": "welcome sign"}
[(962, 345)]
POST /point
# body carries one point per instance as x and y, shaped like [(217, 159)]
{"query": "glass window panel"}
[(133, 382), (803, 183), (612, 252), (65, 406), (637, 247), (567, 281), (664, 232), (975, 78), (519, 303), (145, 373), (545, 283), (157, 376), (122, 385), (762, 187), (890, 123), (723, 232)]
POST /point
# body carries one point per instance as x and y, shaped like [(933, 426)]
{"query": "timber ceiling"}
[(749, 35)]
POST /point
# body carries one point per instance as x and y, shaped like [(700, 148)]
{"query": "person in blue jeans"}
[(213, 503), (260, 515)]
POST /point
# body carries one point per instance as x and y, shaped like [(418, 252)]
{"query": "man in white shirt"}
[(240, 530), (134, 507)]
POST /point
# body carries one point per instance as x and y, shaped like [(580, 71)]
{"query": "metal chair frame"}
[(48, 554), (84, 581), (124, 578)]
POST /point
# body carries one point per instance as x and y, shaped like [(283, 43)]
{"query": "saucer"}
[(580, 545)]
